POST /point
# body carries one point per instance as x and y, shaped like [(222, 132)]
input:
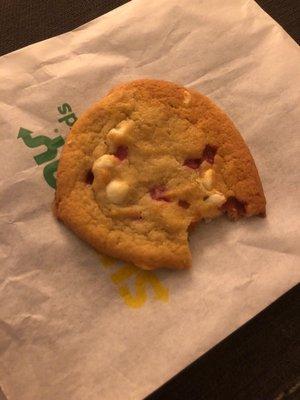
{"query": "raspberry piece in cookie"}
[(158, 193), (193, 163), (121, 152), (144, 164), (209, 153)]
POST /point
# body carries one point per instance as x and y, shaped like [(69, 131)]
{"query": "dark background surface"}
[(23, 22), (261, 360)]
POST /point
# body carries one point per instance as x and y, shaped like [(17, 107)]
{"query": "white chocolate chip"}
[(116, 191), (216, 199), (104, 162), (207, 179), (186, 97), (121, 130)]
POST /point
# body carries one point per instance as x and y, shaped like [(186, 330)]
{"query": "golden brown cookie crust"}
[(147, 161)]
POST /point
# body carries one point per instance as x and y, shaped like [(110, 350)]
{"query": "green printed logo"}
[(51, 145), (69, 117)]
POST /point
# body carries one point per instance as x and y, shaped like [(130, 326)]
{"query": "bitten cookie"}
[(144, 164)]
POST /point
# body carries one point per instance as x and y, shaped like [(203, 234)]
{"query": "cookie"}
[(147, 162)]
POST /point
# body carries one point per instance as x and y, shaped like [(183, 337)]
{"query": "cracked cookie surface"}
[(146, 162)]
